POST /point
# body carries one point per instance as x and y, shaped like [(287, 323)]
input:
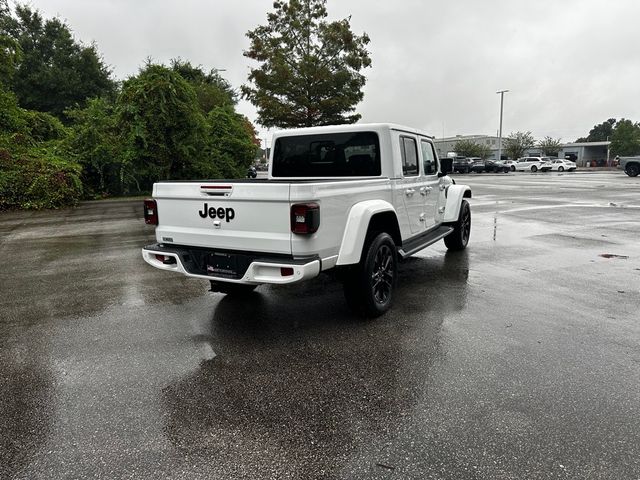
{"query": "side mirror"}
[(446, 166)]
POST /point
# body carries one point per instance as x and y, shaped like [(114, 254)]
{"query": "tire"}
[(632, 169), (234, 289), (369, 286), (505, 170), (561, 169), (459, 238), (513, 168), (534, 169)]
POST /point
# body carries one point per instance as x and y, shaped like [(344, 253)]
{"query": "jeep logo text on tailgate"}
[(212, 212)]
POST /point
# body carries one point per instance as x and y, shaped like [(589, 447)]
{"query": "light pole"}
[(501, 92)]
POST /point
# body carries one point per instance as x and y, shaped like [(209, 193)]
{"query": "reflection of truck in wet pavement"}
[(352, 198), (630, 165)]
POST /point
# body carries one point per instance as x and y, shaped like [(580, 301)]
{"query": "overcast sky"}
[(436, 65)]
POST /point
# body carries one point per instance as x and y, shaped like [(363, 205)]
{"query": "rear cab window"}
[(355, 154)]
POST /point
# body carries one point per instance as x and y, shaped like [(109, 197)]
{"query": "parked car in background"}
[(496, 166), (252, 172), (561, 164), (533, 164), (511, 164), (462, 164), (630, 165), (477, 164)]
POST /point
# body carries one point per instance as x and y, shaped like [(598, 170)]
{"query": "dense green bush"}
[(95, 143), (37, 178), (34, 172), (43, 126)]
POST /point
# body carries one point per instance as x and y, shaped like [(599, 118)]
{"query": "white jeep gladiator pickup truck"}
[(354, 198)]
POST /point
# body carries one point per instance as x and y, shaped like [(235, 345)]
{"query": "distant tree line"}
[(69, 131), (623, 134)]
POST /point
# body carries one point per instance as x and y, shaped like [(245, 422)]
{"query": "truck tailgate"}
[(248, 216)]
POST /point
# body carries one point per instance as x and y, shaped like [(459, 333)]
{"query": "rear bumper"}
[(252, 268)]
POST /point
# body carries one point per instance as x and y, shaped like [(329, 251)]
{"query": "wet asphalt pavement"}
[(516, 359)]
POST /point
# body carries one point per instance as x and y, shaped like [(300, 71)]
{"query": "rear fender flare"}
[(355, 231), (455, 194)]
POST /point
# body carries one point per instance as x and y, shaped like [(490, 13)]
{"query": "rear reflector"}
[(286, 271), (166, 259), (150, 212), (305, 218)]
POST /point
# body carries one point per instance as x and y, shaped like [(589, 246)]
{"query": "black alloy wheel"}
[(382, 275), (459, 238), (369, 285), (632, 170)]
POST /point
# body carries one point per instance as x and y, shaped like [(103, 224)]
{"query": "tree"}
[(550, 147), (310, 68), (625, 139), (97, 146), (162, 127), (469, 148), (601, 132), (211, 89), (10, 56), (53, 71), (517, 143), (231, 147)]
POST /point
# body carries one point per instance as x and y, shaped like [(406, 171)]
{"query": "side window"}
[(428, 158), (409, 151)]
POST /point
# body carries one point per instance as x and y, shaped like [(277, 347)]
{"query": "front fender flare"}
[(455, 194), (356, 228)]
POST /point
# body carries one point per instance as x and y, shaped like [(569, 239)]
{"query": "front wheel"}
[(632, 170), (534, 169), (561, 169), (513, 168), (459, 238), (369, 286)]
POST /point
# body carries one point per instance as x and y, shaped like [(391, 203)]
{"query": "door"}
[(430, 191), (411, 184)]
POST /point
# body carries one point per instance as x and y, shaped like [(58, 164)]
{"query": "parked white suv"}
[(533, 164), (351, 197)]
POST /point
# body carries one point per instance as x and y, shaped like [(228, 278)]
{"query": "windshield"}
[(354, 154)]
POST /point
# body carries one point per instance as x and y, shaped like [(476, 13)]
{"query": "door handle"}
[(409, 192), (425, 190)]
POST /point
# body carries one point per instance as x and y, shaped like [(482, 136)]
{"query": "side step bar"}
[(423, 240)]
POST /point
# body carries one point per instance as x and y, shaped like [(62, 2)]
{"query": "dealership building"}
[(583, 153)]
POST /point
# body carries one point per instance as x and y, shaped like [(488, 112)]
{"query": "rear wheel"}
[(632, 169), (534, 169), (459, 238), (561, 169), (369, 286), (235, 289), (513, 168)]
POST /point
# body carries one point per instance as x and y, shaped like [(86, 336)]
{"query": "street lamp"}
[(501, 92)]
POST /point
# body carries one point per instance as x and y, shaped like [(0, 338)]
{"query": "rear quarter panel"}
[(336, 200)]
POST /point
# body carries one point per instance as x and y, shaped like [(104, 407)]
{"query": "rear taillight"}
[(305, 218), (150, 212)]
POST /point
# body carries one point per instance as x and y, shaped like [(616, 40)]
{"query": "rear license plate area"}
[(222, 265)]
